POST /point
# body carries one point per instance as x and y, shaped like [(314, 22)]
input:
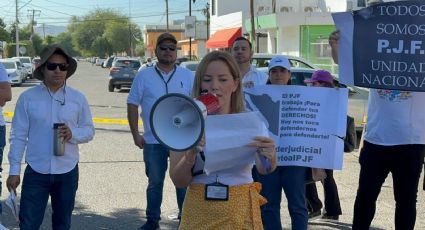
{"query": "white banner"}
[(308, 123)]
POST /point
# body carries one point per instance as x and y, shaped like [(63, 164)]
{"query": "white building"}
[(293, 27)]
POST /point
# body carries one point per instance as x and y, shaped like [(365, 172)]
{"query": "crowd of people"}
[(248, 196)]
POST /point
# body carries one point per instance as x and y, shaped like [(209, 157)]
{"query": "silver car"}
[(14, 70), (27, 63), (190, 65)]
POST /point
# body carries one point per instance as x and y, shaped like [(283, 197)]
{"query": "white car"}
[(261, 60), (190, 65), (99, 61), (27, 62), (14, 70)]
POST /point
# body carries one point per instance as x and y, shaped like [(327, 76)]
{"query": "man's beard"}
[(165, 61), (242, 60)]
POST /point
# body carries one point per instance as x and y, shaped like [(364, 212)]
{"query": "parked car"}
[(108, 62), (186, 58), (357, 96), (99, 61), (191, 65), (15, 71), (26, 61), (261, 60), (122, 72), (35, 62)]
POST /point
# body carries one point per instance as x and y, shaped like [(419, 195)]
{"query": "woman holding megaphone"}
[(228, 198)]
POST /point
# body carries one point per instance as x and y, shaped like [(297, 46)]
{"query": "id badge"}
[(216, 191)]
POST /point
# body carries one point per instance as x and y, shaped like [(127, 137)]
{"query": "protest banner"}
[(307, 123), (382, 46)]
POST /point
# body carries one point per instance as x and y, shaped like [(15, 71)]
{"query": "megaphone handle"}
[(266, 163)]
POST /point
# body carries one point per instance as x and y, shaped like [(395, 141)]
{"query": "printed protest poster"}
[(383, 46), (307, 123)]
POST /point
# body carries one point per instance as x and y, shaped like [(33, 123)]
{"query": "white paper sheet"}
[(12, 203), (227, 137), (3, 227)]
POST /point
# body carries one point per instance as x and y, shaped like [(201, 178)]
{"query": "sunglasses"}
[(165, 47), (53, 66)]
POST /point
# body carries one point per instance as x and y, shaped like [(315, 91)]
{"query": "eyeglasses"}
[(53, 66), (165, 47)]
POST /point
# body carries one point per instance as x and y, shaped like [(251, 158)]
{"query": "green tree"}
[(65, 39), (48, 40), (24, 33), (101, 47), (4, 34), (118, 35), (103, 29), (37, 43)]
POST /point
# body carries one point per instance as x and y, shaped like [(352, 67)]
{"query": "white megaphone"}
[(177, 121)]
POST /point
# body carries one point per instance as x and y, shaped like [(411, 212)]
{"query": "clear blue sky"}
[(58, 12)]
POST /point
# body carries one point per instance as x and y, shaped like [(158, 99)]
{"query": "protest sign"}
[(382, 46), (307, 123)]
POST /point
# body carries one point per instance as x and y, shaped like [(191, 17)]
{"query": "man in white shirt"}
[(5, 95), (32, 133), (242, 52), (149, 85)]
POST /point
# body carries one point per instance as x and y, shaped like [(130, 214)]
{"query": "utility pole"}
[(190, 38), (166, 12), (207, 11), (17, 29), (251, 7), (129, 28), (44, 31), (32, 15)]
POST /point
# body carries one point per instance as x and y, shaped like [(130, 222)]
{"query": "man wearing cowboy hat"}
[(36, 111)]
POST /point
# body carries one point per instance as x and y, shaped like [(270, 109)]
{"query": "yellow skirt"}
[(241, 211)]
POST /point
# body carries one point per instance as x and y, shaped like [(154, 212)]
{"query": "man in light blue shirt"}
[(32, 133)]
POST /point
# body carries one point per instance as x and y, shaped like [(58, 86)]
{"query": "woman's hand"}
[(190, 155), (266, 149), (181, 164)]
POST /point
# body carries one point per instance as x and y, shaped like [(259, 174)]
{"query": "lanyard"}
[(162, 77)]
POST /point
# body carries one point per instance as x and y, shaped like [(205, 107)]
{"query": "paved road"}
[(111, 192)]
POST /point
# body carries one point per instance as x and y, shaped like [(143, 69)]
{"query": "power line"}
[(118, 18), (61, 4), (25, 5), (51, 10), (61, 20)]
